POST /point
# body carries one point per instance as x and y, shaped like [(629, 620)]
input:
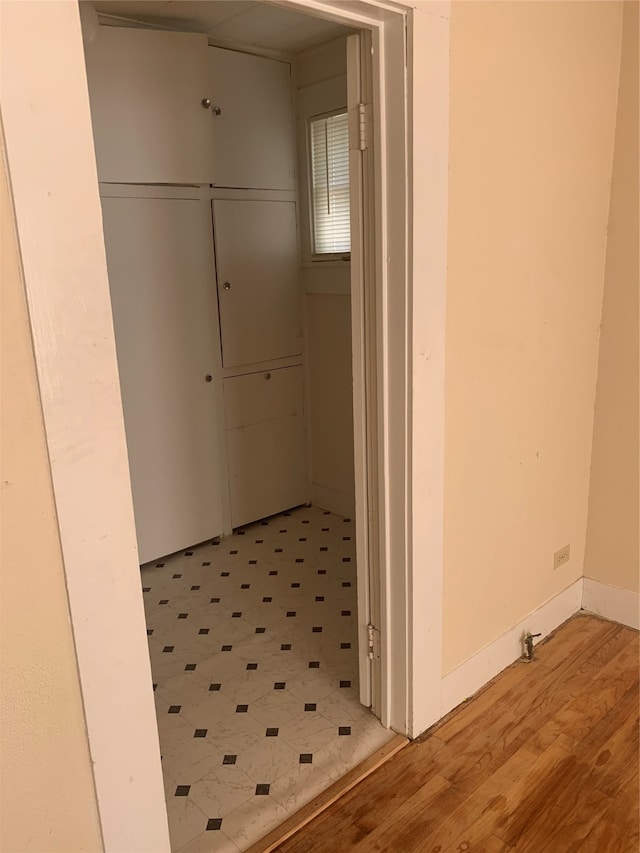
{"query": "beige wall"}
[(533, 101), (612, 532), (47, 801)]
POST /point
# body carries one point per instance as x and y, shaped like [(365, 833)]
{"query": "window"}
[(329, 140)]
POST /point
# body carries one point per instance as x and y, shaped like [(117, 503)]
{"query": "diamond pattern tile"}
[(254, 653)]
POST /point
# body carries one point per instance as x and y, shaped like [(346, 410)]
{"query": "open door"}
[(364, 352)]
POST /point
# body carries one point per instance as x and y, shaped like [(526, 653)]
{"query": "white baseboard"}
[(471, 675), (611, 602), (334, 501)]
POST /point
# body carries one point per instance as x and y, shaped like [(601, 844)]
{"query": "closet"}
[(196, 154)]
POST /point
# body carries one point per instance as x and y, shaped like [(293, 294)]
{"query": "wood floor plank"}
[(624, 813), (481, 749), (544, 759), (499, 805), (574, 635), (617, 760), (606, 836), (589, 705), (410, 825), (561, 802)]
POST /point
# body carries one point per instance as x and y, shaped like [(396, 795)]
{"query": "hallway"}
[(253, 645)]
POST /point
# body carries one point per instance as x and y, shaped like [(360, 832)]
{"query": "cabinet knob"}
[(206, 104), (208, 377), (267, 376), (227, 285)]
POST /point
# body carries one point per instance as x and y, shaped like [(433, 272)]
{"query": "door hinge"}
[(359, 127), (373, 643)]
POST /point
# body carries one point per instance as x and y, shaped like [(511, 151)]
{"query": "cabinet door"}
[(254, 142), (258, 290), (159, 257), (265, 443), (146, 89)]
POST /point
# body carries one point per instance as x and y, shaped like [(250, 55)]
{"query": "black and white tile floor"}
[(253, 646)]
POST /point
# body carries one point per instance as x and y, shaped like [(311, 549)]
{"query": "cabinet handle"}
[(227, 285), (267, 376)]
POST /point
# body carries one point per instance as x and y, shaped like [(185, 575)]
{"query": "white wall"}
[(321, 86)]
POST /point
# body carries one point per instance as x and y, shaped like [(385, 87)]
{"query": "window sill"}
[(329, 262)]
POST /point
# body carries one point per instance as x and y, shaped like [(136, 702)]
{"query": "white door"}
[(160, 262), (258, 288), (254, 143), (365, 392), (146, 89)]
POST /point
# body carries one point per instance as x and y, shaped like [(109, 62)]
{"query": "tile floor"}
[(253, 648)]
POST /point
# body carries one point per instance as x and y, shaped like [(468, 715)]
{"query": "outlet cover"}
[(561, 556)]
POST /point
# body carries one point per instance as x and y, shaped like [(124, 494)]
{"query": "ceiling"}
[(242, 22)]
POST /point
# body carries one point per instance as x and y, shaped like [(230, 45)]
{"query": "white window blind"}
[(330, 184)]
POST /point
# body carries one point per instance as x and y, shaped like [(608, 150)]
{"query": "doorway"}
[(215, 255), (81, 402)]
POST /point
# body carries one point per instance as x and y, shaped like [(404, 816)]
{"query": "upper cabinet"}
[(254, 142), (148, 92), (169, 109)]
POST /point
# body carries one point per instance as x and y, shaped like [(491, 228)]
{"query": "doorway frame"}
[(57, 211)]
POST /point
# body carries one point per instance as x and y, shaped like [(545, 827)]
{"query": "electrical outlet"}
[(561, 556)]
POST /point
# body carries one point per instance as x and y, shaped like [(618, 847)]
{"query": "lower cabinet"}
[(265, 443)]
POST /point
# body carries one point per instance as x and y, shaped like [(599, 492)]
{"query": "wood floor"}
[(545, 758)]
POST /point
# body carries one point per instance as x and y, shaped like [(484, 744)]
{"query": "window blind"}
[(330, 184)]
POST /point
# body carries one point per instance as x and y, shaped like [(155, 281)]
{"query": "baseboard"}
[(332, 500), (471, 675), (611, 602)]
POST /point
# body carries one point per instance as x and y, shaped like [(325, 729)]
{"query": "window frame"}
[(319, 257)]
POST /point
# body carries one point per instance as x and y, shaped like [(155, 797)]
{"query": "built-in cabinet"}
[(253, 143), (265, 442), (212, 387), (147, 89), (258, 285), (160, 253)]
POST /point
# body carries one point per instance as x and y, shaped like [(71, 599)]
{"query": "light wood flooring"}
[(545, 758)]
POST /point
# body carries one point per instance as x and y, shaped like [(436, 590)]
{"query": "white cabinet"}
[(258, 286), (160, 263), (254, 141), (146, 89), (265, 443)]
